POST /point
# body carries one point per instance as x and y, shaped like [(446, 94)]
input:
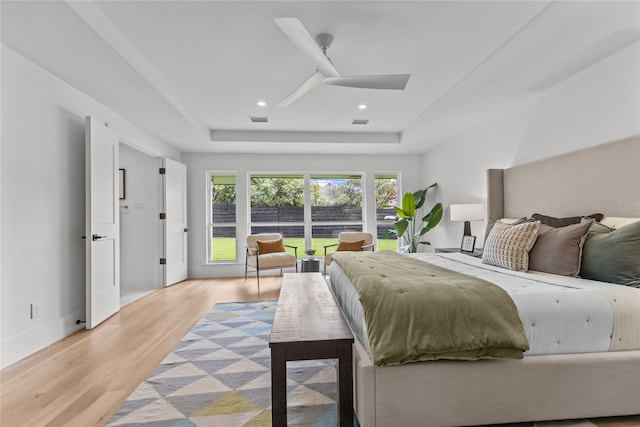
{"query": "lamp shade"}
[(467, 212)]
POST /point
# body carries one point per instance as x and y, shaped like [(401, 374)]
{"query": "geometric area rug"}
[(220, 375)]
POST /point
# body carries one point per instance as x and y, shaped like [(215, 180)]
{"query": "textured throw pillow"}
[(350, 246), (559, 250), (508, 246), (612, 256), (270, 246), (562, 222), (492, 221)]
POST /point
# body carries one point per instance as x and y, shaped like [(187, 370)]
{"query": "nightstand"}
[(476, 252)]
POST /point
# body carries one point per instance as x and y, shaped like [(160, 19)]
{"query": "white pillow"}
[(617, 221)]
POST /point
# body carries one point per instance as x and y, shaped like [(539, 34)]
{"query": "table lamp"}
[(466, 213)]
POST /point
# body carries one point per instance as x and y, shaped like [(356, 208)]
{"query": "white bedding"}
[(560, 315)]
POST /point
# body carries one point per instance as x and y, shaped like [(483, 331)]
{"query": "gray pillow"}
[(612, 256), (559, 250), (562, 222)]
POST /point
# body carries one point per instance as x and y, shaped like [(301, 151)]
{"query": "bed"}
[(586, 363)]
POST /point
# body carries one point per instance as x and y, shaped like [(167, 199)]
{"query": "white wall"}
[(42, 198), (140, 226), (598, 105), (198, 164)]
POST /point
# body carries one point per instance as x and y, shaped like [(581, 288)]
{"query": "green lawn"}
[(224, 248)]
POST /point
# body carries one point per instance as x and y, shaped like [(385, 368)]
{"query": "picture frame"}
[(122, 184), (468, 244)]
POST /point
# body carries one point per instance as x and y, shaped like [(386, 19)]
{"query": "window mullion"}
[(307, 211)]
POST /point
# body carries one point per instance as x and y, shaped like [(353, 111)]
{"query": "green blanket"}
[(416, 311)]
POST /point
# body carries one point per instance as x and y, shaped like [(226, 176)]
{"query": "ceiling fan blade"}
[(313, 81), (299, 35), (383, 81)]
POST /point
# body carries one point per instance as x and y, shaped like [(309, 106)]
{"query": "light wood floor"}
[(84, 378)]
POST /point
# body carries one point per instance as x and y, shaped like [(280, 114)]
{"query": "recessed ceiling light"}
[(261, 103), (362, 106)]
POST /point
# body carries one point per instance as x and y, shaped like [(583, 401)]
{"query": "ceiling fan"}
[(326, 73)]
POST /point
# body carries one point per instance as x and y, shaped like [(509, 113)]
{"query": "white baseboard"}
[(28, 342)]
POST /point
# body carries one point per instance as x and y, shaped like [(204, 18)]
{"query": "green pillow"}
[(612, 256)]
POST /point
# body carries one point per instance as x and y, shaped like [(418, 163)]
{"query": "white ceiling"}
[(191, 72)]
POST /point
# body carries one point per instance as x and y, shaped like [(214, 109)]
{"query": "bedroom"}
[(484, 116)]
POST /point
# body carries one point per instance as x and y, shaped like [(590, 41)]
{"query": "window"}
[(308, 209), (386, 192), (277, 206), (336, 206), (222, 216)]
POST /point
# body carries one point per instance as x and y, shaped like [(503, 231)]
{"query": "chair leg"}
[(258, 277)]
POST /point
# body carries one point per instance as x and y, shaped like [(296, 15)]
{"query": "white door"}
[(102, 223), (175, 225)]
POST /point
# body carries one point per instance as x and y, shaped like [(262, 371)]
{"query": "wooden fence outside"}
[(227, 214)]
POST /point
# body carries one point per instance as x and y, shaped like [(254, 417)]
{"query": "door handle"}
[(95, 237), (186, 229)]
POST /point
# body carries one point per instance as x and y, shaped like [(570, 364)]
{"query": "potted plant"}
[(310, 253), (410, 228)]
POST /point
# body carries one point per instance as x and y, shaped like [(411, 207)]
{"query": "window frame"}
[(389, 222), (362, 224), (368, 222), (209, 218), (276, 174), (307, 222)]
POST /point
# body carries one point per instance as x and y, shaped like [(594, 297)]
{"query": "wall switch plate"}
[(35, 310)]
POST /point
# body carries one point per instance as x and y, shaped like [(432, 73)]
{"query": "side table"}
[(310, 265), (475, 253)]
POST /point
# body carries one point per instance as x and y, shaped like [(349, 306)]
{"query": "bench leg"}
[(345, 384), (278, 387)]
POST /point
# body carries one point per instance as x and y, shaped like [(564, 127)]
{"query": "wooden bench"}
[(309, 325)]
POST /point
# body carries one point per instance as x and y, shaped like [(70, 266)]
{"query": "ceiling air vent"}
[(360, 121), (259, 119)]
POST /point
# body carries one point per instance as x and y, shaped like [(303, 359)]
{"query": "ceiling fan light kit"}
[(316, 50), (325, 41)]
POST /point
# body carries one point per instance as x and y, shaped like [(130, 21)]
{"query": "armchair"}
[(266, 251), (350, 241)]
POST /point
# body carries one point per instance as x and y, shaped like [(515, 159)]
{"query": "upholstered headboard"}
[(604, 179)]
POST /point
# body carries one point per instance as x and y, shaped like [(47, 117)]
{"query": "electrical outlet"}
[(35, 310)]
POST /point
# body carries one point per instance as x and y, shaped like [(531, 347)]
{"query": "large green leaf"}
[(399, 212), (432, 218), (421, 196), (390, 233), (409, 205), (401, 226)]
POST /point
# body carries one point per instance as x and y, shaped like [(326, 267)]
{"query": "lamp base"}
[(467, 228)]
